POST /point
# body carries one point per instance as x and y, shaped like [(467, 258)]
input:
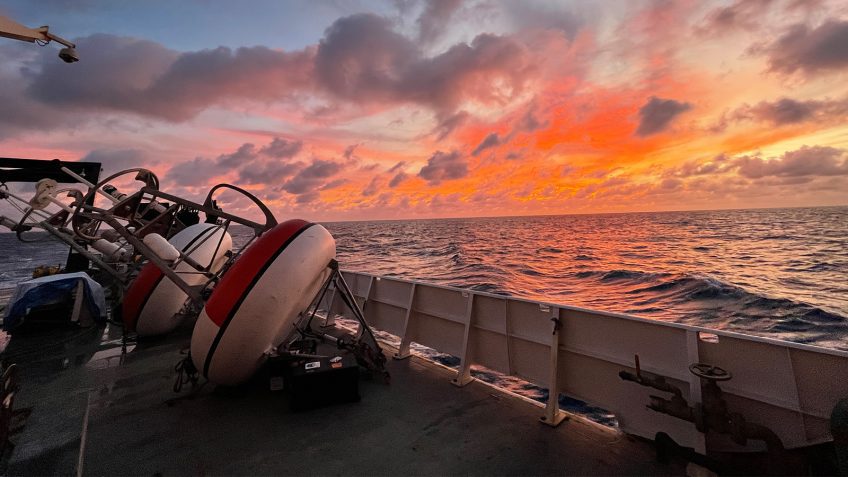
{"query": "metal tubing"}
[(84, 182), (161, 264), (79, 249)]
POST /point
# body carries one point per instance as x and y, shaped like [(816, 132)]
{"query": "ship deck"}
[(98, 412)]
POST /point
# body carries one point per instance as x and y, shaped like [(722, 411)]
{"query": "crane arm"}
[(14, 30)]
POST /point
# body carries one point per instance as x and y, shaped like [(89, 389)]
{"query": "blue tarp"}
[(51, 290)]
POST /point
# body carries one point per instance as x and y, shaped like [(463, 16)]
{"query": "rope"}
[(186, 373)]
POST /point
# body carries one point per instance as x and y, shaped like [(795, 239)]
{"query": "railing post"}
[(403, 350), (365, 302), (693, 356), (330, 321), (553, 415), (463, 376)]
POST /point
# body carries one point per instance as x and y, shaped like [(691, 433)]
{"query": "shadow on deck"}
[(123, 413)]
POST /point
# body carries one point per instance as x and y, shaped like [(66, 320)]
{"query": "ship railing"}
[(789, 387)]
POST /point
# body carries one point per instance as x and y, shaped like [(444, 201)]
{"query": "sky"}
[(359, 110)]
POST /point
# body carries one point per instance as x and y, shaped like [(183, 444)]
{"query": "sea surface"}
[(781, 273)]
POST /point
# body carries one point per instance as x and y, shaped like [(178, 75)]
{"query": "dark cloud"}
[(557, 16), (372, 188), (269, 172), (529, 122), (143, 77), (321, 169), (197, 80), (362, 54), (399, 174), (282, 148), (307, 197), (334, 183), (790, 111), (807, 161), (245, 154), (114, 160), (808, 50), (19, 112), (435, 17), (348, 152), (253, 165), (447, 125), (115, 74), (492, 140), (742, 14), (362, 58), (787, 111), (784, 111), (312, 177), (670, 184), (444, 166), (398, 179), (196, 172), (717, 165), (657, 114)]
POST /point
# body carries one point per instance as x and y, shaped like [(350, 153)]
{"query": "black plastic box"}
[(320, 382)]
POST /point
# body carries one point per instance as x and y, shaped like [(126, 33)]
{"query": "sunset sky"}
[(351, 110)]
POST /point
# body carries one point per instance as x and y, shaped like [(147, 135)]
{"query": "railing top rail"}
[(611, 314)]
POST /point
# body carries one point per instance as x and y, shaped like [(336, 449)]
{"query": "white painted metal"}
[(788, 387), (464, 375), (553, 415)]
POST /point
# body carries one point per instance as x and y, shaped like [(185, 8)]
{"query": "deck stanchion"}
[(405, 340), (694, 356), (553, 415), (365, 300), (330, 321), (463, 376)]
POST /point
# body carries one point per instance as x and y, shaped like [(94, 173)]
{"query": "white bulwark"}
[(788, 387)]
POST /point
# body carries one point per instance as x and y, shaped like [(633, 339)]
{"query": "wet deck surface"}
[(419, 424)]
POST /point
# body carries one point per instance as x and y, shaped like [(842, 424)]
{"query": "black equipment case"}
[(316, 382)]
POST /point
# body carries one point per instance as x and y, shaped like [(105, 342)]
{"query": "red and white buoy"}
[(152, 301), (256, 304)]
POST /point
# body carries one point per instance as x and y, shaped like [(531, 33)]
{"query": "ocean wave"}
[(531, 272), (549, 250), (619, 275)]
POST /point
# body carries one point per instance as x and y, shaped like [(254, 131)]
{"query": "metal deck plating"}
[(98, 413)]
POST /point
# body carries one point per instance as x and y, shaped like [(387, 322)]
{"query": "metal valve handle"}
[(709, 372)]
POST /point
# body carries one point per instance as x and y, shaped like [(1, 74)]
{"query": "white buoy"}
[(152, 301), (256, 304)]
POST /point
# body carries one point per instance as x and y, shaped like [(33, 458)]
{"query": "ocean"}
[(781, 273)]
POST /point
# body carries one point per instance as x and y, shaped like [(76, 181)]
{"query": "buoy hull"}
[(256, 304), (152, 301)]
